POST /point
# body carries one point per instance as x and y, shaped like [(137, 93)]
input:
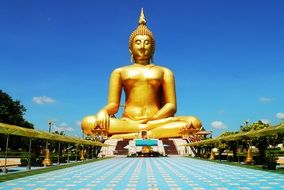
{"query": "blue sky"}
[(227, 57)]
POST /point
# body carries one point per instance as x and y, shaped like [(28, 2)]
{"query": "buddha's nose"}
[(142, 48), (143, 45)]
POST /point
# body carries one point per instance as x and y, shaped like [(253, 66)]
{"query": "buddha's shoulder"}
[(123, 68), (164, 69), (134, 67), (119, 69)]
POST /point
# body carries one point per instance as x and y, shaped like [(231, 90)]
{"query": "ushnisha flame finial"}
[(142, 29), (142, 19)]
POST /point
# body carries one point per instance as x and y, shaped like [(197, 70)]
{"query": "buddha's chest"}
[(142, 76)]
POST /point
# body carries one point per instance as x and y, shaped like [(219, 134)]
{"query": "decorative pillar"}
[(6, 152), (29, 159), (58, 155)]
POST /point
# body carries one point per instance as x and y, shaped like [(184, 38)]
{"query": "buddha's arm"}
[(169, 109), (115, 87)]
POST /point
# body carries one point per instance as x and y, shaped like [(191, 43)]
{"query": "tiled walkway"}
[(173, 173)]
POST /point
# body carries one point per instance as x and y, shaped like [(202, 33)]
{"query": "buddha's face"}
[(141, 48)]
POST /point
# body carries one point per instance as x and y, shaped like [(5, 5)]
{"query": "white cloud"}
[(221, 112), (43, 100), (63, 127), (265, 121), (78, 123), (280, 115), (218, 125), (265, 99)]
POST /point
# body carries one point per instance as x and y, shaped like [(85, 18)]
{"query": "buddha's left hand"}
[(103, 119)]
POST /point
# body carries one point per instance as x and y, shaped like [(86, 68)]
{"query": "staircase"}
[(179, 143), (119, 149), (190, 149), (169, 146), (109, 150)]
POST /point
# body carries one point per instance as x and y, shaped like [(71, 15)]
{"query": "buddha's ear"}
[(152, 58), (131, 55)]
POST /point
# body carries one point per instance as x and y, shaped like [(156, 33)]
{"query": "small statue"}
[(150, 98)]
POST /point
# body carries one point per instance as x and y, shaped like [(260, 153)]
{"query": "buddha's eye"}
[(138, 42), (147, 42)]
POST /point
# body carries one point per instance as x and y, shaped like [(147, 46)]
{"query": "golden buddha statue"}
[(150, 98)]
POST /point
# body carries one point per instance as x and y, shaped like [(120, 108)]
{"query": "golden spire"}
[(142, 19)]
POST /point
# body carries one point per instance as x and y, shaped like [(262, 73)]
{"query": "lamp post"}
[(50, 123), (246, 122), (47, 160)]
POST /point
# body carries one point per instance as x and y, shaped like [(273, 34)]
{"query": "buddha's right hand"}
[(103, 119)]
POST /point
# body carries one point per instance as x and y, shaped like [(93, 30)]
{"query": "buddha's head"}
[(142, 42)]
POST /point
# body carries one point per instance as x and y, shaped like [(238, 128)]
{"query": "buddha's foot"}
[(125, 136)]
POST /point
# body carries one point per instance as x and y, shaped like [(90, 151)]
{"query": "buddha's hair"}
[(142, 29)]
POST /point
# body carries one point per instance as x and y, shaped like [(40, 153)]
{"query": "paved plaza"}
[(173, 173)]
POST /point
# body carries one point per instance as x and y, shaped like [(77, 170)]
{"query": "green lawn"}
[(16, 175), (255, 167)]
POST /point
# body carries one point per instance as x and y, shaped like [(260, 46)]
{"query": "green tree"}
[(254, 126), (231, 145), (262, 143), (12, 111)]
